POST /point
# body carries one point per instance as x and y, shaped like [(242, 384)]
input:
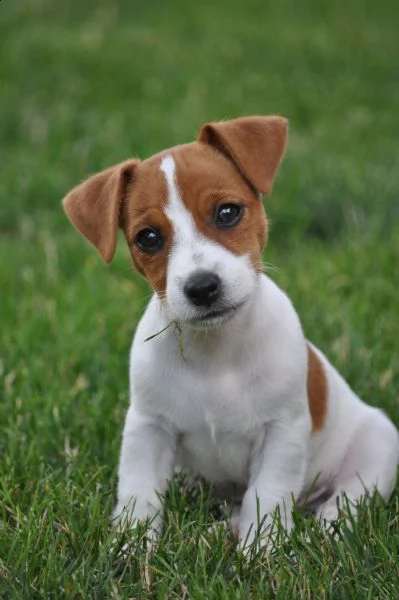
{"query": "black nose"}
[(203, 288)]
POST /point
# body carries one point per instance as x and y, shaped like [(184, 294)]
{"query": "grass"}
[(88, 84)]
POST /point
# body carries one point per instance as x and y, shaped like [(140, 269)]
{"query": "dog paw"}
[(132, 535), (131, 529)]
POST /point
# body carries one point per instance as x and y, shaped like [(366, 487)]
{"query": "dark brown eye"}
[(149, 240), (228, 215)]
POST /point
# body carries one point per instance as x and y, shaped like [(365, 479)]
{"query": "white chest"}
[(213, 409), (191, 399)]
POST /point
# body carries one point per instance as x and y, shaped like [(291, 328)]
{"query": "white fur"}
[(234, 406)]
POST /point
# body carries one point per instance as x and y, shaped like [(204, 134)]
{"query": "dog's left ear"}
[(95, 206), (254, 144)]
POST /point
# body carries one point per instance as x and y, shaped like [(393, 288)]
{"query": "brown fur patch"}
[(254, 144), (206, 179), (145, 201), (317, 391)]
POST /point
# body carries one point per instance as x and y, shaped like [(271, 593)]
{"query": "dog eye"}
[(149, 240), (228, 215)]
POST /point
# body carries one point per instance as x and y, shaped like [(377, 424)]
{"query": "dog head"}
[(192, 216)]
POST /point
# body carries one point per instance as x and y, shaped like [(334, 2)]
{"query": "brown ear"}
[(255, 145), (94, 206)]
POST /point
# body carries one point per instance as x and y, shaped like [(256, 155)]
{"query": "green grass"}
[(87, 84)]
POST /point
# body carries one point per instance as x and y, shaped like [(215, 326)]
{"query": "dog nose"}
[(203, 288)]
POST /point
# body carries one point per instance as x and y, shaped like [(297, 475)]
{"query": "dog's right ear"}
[(255, 145), (94, 206)]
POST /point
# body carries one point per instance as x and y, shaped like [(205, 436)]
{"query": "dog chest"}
[(214, 415), (215, 399), (218, 457)]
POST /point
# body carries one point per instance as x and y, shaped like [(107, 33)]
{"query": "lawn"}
[(86, 84)]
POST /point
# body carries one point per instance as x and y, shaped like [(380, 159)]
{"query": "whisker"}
[(265, 266), (161, 296)]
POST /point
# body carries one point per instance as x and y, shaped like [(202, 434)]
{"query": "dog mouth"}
[(216, 316)]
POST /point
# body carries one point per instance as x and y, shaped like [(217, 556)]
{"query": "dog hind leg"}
[(370, 465)]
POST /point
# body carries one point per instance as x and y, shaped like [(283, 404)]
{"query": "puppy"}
[(222, 380)]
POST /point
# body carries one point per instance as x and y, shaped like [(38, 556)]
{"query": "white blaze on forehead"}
[(177, 213)]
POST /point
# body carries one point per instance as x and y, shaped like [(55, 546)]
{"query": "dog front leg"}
[(277, 476), (146, 463)]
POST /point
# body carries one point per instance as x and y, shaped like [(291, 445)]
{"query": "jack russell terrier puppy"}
[(223, 382)]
